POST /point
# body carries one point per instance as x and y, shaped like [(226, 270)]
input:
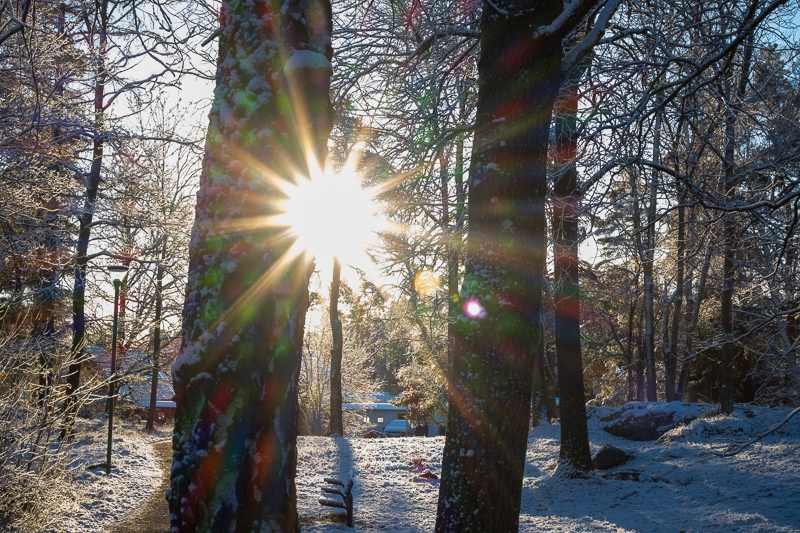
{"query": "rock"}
[(608, 457), (427, 475), (643, 422)]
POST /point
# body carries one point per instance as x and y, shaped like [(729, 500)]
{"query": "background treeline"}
[(683, 120)]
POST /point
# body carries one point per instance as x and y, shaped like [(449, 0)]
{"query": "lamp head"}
[(117, 271)]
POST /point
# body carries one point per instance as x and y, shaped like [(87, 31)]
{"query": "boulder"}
[(608, 457), (643, 422)]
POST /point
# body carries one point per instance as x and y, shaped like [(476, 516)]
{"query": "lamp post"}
[(117, 272)]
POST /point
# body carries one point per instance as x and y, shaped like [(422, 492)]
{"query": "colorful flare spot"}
[(474, 309), (426, 282)]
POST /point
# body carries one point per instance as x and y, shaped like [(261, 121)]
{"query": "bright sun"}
[(332, 215)]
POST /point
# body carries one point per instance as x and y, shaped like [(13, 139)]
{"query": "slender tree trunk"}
[(644, 351), (336, 425), (84, 232), (648, 263), (544, 388), (671, 359), (683, 382), (490, 381), (155, 363), (538, 405), (236, 377), (631, 358), (640, 357), (729, 348), (728, 352), (454, 245), (575, 457), (792, 320), (665, 302), (43, 326)]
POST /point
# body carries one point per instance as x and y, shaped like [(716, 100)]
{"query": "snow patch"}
[(306, 59)]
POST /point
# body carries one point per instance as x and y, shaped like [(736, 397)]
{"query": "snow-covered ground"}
[(672, 485), (681, 486), (98, 502)]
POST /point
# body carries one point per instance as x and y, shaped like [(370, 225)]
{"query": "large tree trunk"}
[(336, 426), (575, 458), (236, 378), (490, 380)]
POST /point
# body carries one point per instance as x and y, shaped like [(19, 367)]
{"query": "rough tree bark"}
[(235, 453), (490, 377)]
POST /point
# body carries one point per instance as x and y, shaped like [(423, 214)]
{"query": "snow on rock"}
[(649, 420)]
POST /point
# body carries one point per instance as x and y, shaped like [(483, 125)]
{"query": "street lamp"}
[(117, 272)]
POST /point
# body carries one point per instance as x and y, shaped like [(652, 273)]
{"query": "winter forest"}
[(555, 240)]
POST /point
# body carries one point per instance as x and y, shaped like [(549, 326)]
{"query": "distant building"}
[(138, 393), (376, 411)]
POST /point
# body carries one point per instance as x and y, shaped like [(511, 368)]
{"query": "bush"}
[(34, 476)]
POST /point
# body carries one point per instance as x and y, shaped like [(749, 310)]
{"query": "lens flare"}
[(474, 309), (426, 282)]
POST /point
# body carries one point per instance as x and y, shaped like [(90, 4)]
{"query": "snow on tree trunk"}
[(234, 444), (490, 378)]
